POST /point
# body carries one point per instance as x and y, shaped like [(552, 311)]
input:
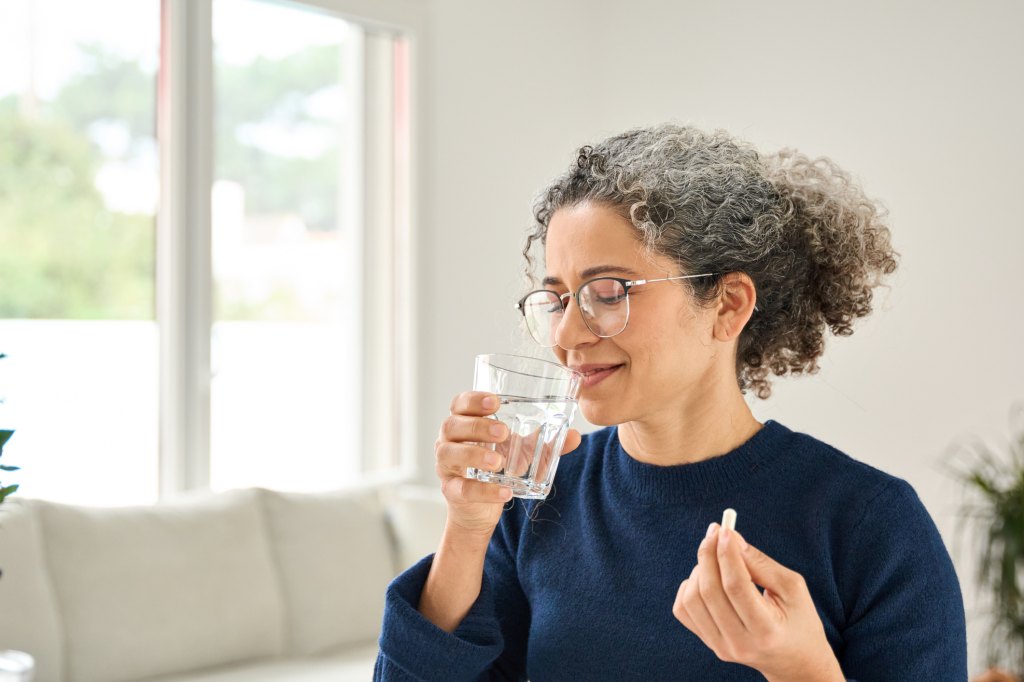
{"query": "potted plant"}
[(8, 489), (12, 662), (996, 481), (4, 437)]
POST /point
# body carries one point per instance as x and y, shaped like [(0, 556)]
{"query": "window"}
[(78, 199), (221, 305), (287, 104)]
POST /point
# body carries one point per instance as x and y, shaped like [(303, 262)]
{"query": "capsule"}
[(729, 519)]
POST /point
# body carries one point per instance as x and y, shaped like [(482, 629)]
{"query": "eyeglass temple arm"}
[(662, 279), (634, 282)]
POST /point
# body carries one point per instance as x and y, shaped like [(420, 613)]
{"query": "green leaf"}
[(4, 492), (4, 467)]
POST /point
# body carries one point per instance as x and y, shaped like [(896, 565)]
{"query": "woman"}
[(618, 574)]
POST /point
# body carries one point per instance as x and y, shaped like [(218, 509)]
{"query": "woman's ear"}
[(735, 306)]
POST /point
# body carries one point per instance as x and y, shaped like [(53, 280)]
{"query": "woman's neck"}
[(698, 431)]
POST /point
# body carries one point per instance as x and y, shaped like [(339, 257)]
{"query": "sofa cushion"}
[(353, 664), (417, 514), (181, 585), (29, 620), (335, 560)]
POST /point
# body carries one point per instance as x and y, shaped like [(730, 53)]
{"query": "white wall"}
[(921, 101)]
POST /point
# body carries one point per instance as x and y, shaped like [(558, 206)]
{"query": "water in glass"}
[(537, 431)]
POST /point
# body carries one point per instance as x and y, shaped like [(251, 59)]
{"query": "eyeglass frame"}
[(627, 284)]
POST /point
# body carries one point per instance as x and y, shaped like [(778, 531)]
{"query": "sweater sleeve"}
[(488, 645), (905, 611)]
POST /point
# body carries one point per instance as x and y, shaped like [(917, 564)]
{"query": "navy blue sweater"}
[(580, 586)]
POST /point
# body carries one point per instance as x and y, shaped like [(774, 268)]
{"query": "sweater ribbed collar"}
[(692, 482)]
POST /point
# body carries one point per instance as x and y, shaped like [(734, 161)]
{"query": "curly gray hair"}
[(813, 244)]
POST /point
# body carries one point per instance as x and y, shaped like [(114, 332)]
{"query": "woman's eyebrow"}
[(590, 272)]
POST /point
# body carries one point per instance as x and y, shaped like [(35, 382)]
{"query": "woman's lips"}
[(597, 377)]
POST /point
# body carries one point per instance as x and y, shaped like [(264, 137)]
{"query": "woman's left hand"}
[(778, 633)]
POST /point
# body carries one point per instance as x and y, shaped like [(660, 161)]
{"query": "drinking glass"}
[(538, 402)]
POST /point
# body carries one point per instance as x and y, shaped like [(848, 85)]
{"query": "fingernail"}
[(711, 529), (497, 430), (491, 460), (490, 402), (723, 540)]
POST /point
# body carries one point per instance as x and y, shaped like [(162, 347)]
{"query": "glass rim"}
[(568, 372)]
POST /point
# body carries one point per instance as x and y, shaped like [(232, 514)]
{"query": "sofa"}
[(246, 585)]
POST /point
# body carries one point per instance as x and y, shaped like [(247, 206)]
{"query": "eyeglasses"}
[(603, 302)]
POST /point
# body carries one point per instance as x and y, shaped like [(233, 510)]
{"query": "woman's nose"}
[(572, 331)]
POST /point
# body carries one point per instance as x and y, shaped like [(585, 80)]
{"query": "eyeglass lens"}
[(603, 302)]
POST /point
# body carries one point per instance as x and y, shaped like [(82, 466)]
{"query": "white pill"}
[(729, 519)]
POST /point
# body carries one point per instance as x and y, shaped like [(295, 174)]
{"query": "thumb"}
[(572, 441), (767, 572)]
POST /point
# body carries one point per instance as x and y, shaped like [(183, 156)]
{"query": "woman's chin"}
[(596, 413)]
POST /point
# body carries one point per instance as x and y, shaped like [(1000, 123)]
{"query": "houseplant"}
[(12, 662), (5, 490), (4, 437), (996, 482)]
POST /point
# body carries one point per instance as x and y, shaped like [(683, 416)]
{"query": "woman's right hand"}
[(475, 506)]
